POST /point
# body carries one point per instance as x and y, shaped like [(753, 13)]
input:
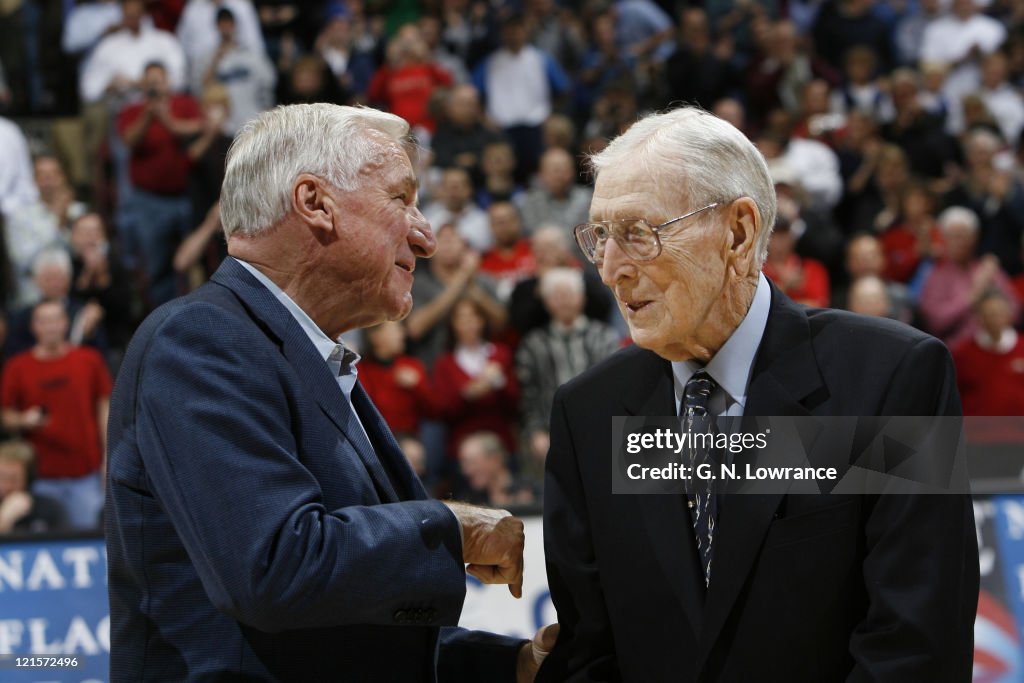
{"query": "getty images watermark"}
[(766, 455)]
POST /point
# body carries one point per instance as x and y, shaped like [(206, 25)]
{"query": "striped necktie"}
[(701, 497)]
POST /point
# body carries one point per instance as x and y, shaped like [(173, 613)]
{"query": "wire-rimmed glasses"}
[(637, 238)]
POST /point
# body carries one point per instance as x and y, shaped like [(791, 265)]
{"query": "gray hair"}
[(269, 153), (561, 277), (958, 215), (52, 256), (693, 153)]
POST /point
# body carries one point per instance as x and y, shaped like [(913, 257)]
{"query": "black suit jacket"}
[(805, 588)]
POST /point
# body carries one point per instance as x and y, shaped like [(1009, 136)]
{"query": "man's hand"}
[(492, 545), (13, 507), (533, 653)]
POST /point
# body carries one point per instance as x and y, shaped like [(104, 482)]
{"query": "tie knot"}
[(696, 394)]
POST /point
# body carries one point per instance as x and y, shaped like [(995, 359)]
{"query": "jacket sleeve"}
[(220, 441), (921, 566), (585, 651)]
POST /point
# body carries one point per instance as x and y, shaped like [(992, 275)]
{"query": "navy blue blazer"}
[(253, 532)]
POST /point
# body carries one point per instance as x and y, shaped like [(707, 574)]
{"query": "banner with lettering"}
[(53, 608)]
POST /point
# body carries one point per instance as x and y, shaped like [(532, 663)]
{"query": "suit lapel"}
[(388, 451), (785, 381), (313, 372), (666, 520)]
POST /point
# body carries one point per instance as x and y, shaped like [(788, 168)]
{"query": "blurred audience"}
[(990, 364), (156, 131), (551, 355), (960, 279), (397, 383), (557, 199), (21, 510), (57, 395), (475, 380), (484, 463), (451, 274)]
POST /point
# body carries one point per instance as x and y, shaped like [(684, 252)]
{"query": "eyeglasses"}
[(640, 240)]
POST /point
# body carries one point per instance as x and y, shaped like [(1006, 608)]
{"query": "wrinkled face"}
[(564, 303), (479, 467), (12, 477), (467, 323), (387, 340), (995, 315), (382, 232), (665, 301), (49, 324)]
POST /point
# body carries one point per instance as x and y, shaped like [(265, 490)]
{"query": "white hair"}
[(561, 277), (695, 154), (958, 215), (51, 256), (325, 140)]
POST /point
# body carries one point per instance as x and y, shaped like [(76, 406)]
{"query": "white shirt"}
[(947, 39), (197, 29), (471, 223), (1007, 341), (126, 54), (732, 365), (817, 168), (86, 24), (17, 181), (518, 92)]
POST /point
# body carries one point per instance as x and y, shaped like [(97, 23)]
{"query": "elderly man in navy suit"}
[(262, 524), (774, 587)]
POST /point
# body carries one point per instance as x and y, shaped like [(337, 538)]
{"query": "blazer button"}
[(431, 615), (401, 616)]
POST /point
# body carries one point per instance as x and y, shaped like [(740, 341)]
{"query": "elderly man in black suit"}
[(794, 588)]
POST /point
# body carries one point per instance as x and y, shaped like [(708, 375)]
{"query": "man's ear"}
[(744, 221), (313, 204)]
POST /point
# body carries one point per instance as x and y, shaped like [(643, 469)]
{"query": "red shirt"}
[(517, 265), (70, 388), (495, 411), (813, 288), (901, 254), (159, 163), (402, 408), (406, 91), (991, 384)]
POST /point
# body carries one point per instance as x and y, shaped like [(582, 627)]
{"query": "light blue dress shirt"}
[(341, 360), (732, 365)]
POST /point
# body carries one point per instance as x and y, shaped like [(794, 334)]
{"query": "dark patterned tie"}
[(700, 494)]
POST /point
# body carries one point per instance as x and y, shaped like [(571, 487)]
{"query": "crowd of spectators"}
[(892, 130)]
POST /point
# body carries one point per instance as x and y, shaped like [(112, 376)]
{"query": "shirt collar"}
[(341, 359), (732, 365)]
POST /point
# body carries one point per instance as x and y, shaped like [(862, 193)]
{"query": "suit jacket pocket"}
[(813, 524)]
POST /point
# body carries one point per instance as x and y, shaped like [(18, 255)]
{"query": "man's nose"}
[(421, 237), (615, 264)]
